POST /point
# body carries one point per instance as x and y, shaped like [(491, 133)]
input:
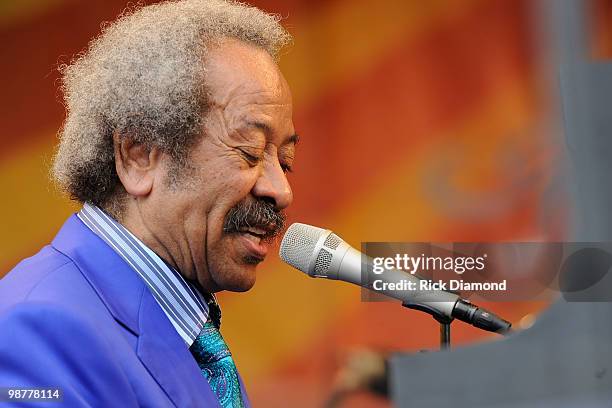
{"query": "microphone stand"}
[(445, 322)]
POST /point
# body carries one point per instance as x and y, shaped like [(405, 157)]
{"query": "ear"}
[(136, 165)]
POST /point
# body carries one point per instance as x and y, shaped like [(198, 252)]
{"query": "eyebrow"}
[(259, 125), (294, 138)]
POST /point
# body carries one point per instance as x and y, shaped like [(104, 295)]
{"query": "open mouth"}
[(255, 242), (256, 234)]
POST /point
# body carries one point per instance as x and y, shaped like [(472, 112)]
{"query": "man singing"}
[(177, 141)]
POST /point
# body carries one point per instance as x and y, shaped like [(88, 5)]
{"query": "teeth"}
[(255, 231), (252, 237)]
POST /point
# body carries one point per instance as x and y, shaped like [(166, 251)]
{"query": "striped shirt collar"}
[(181, 301)]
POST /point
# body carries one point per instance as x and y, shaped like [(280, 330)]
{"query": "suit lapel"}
[(127, 298), (168, 359), (117, 285)]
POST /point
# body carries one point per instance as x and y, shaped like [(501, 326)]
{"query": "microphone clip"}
[(444, 321)]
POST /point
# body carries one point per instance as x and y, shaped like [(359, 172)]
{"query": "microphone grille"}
[(332, 241), (298, 244), (323, 262)]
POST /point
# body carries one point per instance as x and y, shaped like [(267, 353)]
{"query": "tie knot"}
[(209, 346)]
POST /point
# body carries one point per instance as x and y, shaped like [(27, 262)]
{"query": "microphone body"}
[(322, 254)]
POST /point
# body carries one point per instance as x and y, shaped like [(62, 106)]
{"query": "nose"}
[(272, 183)]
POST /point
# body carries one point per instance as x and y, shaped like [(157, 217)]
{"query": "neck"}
[(148, 228)]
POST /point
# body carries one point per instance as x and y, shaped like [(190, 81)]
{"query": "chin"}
[(240, 286), (239, 280)]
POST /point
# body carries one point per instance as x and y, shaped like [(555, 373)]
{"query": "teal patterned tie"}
[(215, 360)]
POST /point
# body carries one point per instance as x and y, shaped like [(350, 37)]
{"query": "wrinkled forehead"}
[(241, 73)]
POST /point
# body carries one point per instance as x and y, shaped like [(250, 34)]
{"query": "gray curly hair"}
[(144, 78)]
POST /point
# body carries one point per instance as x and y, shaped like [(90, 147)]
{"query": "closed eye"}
[(251, 159)]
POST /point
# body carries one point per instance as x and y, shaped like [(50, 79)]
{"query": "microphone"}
[(322, 254)]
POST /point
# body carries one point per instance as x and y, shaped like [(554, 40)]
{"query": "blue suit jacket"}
[(77, 317)]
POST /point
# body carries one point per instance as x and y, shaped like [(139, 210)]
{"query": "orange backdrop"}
[(420, 120)]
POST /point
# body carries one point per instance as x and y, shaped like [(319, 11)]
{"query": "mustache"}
[(259, 213)]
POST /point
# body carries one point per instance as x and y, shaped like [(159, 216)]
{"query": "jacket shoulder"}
[(49, 274)]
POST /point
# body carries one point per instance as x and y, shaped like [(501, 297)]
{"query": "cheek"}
[(230, 188), (236, 184)]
